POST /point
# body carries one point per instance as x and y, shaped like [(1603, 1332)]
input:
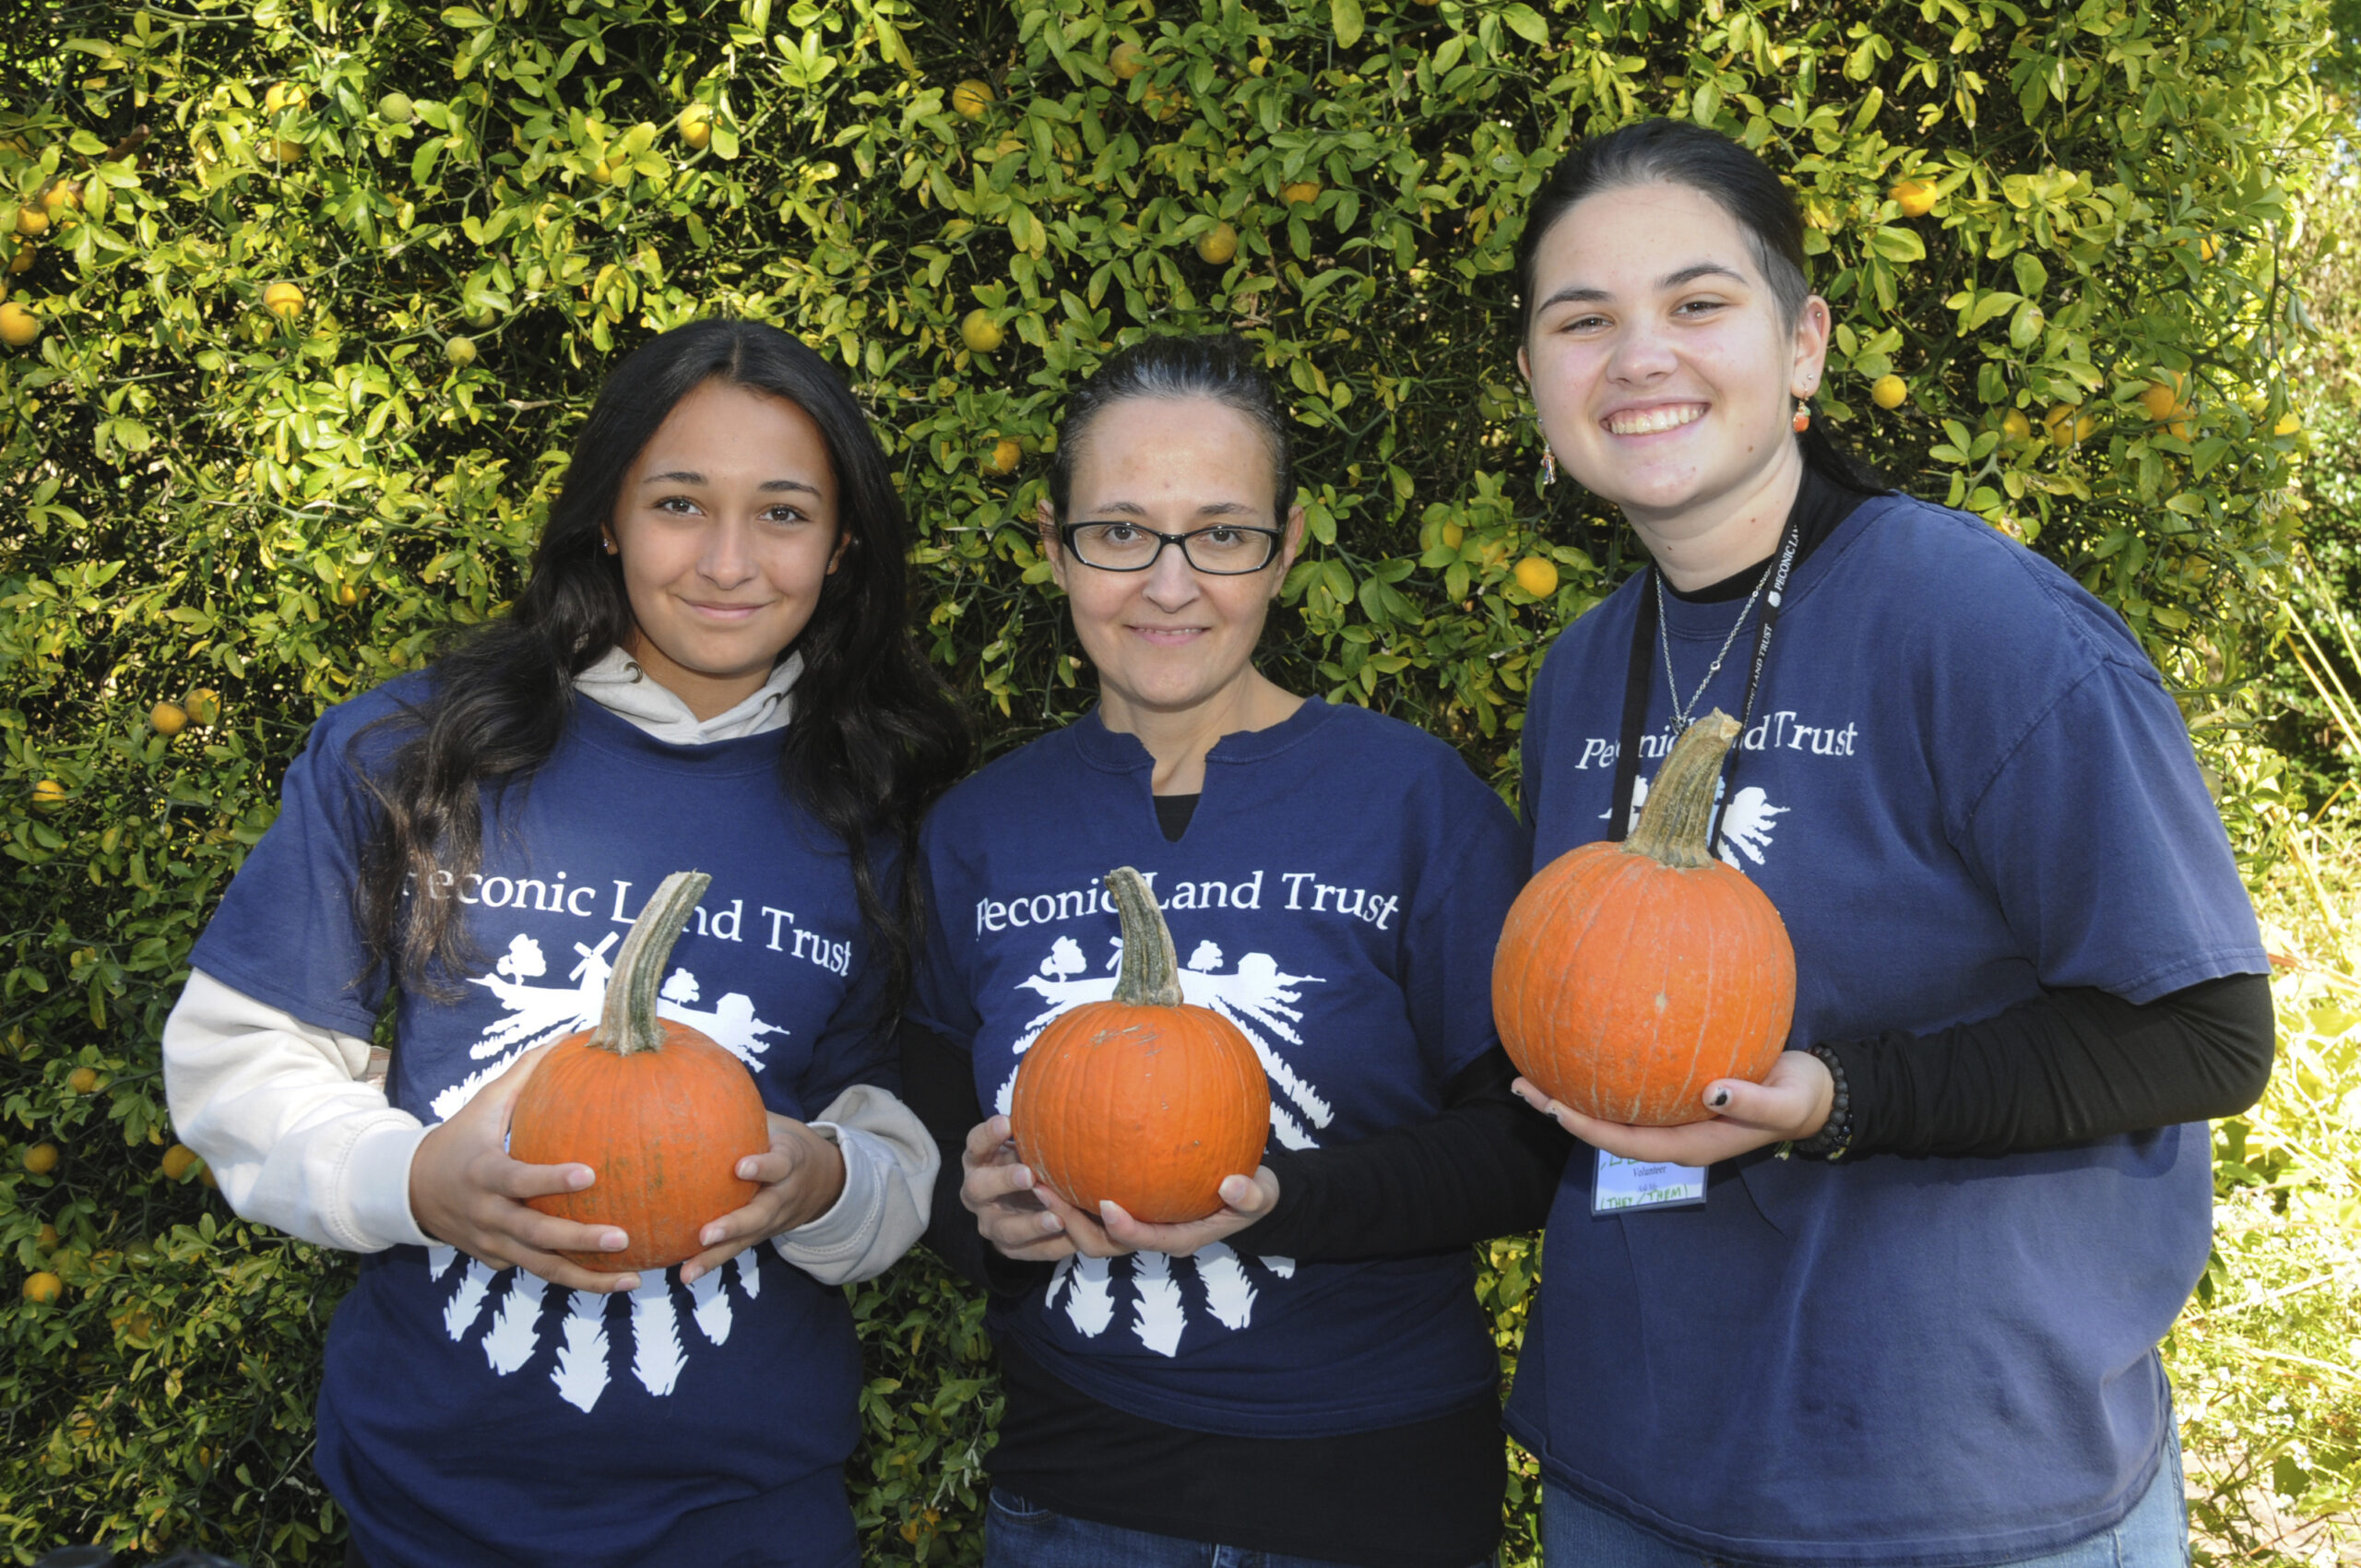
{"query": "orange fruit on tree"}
[(203, 705), (2014, 425), (283, 300), (1537, 576), (970, 99), (48, 795), (459, 351), (1916, 197), (1005, 454), (45, 1239), (41, 1158), (1302, 193), (178, 1162), (22, 261), (395, 109), (1217, 244), (83, 1080), (1888, 391), (981, 332), (696, 125), (43, 1288), (168, 718), (19, 327), (62, 196), (1127, 60), (32, 219)]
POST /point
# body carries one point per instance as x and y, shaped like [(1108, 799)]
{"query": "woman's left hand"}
[(1793, 1103), (802, 1176), (1111, 1232)]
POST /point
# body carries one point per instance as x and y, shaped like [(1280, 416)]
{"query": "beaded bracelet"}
[(1834, 1139)]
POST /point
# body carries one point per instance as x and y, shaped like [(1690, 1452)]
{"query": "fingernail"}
[(745, 1170), (1051, 1222), (1718, 1099), (1106, 1208), (1022, 1177), (689, 1272), (627, 1282), (613, 1241), (580, 1177), (711, 1234)]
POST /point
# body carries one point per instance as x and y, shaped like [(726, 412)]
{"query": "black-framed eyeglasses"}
[(1225, 549)]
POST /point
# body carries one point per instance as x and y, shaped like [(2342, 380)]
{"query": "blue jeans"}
[(1576, 1533), (1021, 1535)]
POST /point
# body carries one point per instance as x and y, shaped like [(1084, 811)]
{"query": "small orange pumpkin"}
[(1629, 976), (1142, 1099), (658, 1111)]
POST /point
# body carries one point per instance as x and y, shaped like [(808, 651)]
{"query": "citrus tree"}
[(306, 303)]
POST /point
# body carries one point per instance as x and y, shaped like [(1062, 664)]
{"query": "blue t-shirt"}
[(1963, 785), (1337, 897), (474, 1417)]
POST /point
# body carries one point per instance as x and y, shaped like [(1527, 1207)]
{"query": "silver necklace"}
[(1683, 716)]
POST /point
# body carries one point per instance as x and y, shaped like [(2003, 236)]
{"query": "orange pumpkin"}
[(1629, 976), (1142, 1099), (659, 1112)]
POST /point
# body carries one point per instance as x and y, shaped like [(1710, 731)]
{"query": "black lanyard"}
[(1642, 671)]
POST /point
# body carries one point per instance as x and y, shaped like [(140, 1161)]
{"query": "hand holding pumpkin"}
[(467, 1193), (803, 1175), (1792, 1102), (1027, 1220), (1113, 1232)]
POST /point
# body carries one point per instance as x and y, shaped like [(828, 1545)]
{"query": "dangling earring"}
[(1802, 422), (1548, 466)]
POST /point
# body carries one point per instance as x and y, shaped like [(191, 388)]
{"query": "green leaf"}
[(1897, 244), (1345, 16), (1527, 23)]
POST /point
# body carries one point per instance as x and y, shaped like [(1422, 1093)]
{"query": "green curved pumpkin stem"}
[(1151, 973), (1679, 809), (628, 1022)]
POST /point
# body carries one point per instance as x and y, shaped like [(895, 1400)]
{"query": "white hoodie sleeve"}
[(890, 1161), (284, 1117)]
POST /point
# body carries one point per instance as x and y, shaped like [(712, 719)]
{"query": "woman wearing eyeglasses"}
[(1307, 1374)]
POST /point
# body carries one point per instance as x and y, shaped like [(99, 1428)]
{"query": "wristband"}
[(1834, 1139)]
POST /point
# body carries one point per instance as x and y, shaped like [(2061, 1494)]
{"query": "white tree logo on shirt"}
[(505, 1310), (1257, 997), (1747, 821)]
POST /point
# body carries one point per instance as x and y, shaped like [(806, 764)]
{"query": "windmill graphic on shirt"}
[(1747, 821), (1214, 1282), (513, 1315)]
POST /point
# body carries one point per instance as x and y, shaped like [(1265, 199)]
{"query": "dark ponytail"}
[(1675, 153), (876, 737)]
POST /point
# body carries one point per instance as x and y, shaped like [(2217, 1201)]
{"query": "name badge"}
[(1623, 1185)]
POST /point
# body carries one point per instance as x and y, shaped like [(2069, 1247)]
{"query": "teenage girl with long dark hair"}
[(707, 669), (2026, 969)]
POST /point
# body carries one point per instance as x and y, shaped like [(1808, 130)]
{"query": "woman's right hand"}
[(465, 1192), (998, 1190)]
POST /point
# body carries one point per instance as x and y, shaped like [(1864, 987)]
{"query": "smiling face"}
[(1663, 373), (1172, 640), (726, 528)]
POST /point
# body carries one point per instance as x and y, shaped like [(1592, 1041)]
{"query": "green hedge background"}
[(249, 512)]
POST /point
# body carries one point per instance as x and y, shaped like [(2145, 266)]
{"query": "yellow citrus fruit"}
[(83, 1080), (696, 124), (283, 95), (1161, 103), (203, 705), (1916, 197), (32, 219), (48, 795), (286, 151), (981, 332), (61, 196), (2289, 424), (1217, 244), (2084, 426), (46, 1239), (178, 1162), (23, 260), (2014, 425), (1537, 576), (2160, 399), (19, 327), (169, 718), (1127, 60), (41, 1158), (1302, 193), (970, 99), (1889, 392), (348, 594), (43, 1288), (2059, 424), (460, 351), (1005, 454), (603, 172), (283, 300), (397, 109)]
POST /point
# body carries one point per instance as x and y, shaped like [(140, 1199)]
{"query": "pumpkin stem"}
[(1151, 973), (1679, 809), (628, 1022)]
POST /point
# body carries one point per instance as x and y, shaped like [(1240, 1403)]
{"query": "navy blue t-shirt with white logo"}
[(1337, 897), (475, 1417), (1963, 785)]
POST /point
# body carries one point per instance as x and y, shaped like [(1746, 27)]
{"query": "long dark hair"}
[(875, 736), (1215, 365), (1678, 153)]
